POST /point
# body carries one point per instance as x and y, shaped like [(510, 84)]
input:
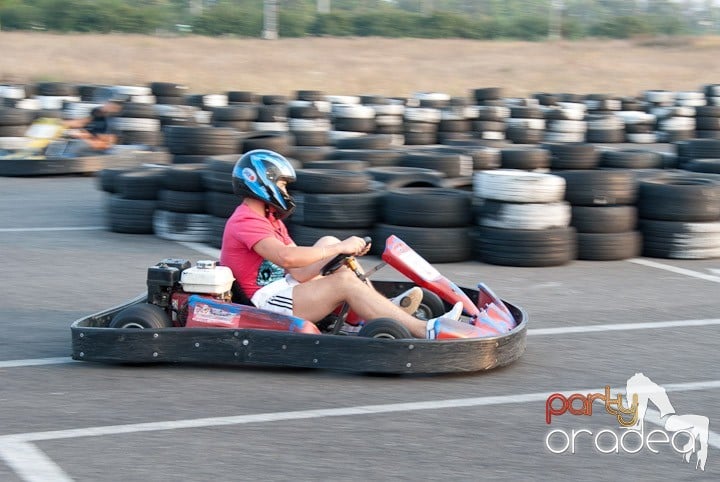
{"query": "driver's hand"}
[(354, 246)]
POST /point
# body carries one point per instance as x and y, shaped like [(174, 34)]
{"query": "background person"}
[(96, 130)]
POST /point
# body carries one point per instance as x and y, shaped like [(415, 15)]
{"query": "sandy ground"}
[(398, 67)]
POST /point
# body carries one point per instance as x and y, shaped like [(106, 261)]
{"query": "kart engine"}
[(171, 282)]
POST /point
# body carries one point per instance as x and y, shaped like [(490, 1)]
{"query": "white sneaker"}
[(410, 300), (453, 314)]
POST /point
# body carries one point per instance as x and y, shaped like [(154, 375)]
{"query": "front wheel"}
[(145, 316), (385, 328), (431, 306)]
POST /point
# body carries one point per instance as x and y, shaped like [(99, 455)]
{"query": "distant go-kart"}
[(196, 314)]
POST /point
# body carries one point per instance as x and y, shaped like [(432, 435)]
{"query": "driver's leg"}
[(314, 299)]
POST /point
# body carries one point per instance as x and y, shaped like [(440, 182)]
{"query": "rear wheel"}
[(141, 317), (386, 328)]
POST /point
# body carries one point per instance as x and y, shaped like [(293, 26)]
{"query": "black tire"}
[(431, 306), (140, 184), (331, 181), (376, 157), (221, 204), (427, 207), (340, 164), (184, 177), (130, 216), (436, 245), (141, 317), (631, 159), (369, 141), (181, 201), (449, 163), (399, 177), (573, 155), (385, 328), (609, 246), (527, 248), (359, 210), (526, 158), (604, 219), (679, 198), (598, 187)]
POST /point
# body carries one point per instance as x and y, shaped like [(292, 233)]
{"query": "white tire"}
[(538, 124), (389, 109), (422, 114), (343, 99), (518, 186), (353, 111), (270, 126), (526, 216)]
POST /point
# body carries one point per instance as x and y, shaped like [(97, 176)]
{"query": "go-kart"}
[(197, 314)]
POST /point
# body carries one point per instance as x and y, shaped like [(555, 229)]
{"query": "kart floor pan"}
[(92, 340)]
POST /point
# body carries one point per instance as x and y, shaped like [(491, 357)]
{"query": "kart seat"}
[(239, 296)]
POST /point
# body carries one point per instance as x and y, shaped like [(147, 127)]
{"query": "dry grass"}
[(362, 65)]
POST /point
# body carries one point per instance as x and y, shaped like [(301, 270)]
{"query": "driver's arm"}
[(305, 262)]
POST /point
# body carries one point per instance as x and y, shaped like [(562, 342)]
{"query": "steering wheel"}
[(339, 260)]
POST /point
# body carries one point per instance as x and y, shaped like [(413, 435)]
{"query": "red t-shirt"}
[(242, 230)]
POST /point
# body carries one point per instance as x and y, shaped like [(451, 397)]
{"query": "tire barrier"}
[(429, 141), (679, 216), (522, 219), (603, 213)]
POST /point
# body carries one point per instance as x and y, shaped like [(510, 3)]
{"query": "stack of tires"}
[(52, 95), (351, 120), (421, 125), (132, 200), (490, 125), (526, 124), (308, 124), (435, 221), (525, 158), (708, 122), (168, 93), (388, 114), (272, 114), (181, 214), (603, 213), (680, 216), (566, 122), (236, 116), (192, 144), (13, 126), (138, 124), (220, 200), (333, 202), (522, 219)]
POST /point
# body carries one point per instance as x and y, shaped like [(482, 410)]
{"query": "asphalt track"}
[(592, 324)]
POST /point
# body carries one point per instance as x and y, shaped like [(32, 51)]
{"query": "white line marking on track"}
[(565, 330), (31, 464), (675, 269), (33, 230), (320, 413), (34, 362)]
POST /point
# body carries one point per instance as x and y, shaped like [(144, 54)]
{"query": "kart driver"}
[(279, 276), (95, 130)]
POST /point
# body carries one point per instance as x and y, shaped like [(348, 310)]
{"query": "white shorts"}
[(277, 296)]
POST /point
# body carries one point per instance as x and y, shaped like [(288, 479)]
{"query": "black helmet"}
[(256, 175)]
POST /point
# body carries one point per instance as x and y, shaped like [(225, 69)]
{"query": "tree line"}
[(479, 19)]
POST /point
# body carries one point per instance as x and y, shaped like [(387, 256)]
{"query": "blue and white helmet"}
[(256, 175)]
